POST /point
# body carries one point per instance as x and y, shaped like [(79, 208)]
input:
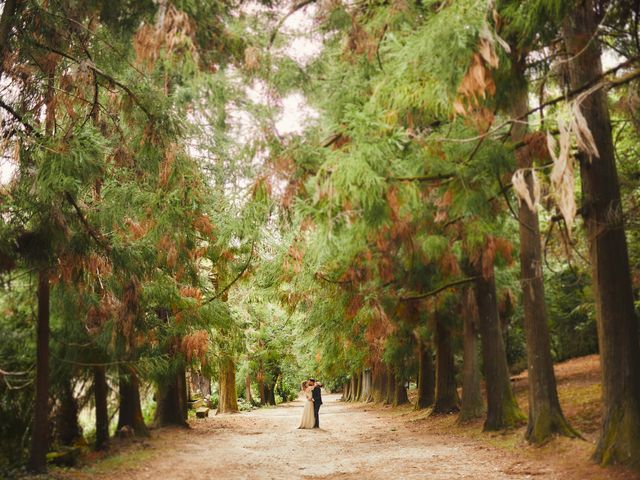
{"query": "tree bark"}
[(270, 394), (400, 395), (390, 387), (6, 22), (130, 410), (100, 390), (353, 387), (502, 408), (545, 414), (379, 382), (67, 427), (446, 400), (426, 377), (472, 402), (367, 380), (247, 389), (619, 440), (261, 386), (228, 400), (172, 407), (40, 431)]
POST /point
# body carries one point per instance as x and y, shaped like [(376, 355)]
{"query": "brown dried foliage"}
[(191, 292), (360, 42), (173, 35), (377, 332), (195, 345), (166, 166), (477, 82)]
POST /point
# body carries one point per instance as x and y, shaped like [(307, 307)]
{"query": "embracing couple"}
[(312, 402)]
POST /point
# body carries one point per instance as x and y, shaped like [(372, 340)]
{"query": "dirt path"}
[(354, 442)]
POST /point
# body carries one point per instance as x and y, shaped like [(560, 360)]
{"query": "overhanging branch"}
[(439, 289)]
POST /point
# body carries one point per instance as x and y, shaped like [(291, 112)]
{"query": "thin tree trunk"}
[(172, 405), (426, 377), (502, 408), (472, 402), (100, 390), (228, 401), (353, 386), (619, 440), (130, 410), (247, 389), (40, 432), (545, 414), (261, 386), (446, 400)]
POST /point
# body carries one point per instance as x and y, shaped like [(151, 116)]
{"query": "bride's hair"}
[(304, 385)]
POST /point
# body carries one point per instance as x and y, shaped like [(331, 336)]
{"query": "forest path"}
[(355, 441)]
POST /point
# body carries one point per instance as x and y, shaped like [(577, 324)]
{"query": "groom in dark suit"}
[(317, 400)]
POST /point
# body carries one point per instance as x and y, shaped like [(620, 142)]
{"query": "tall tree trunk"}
[(379, 382), (446, 391), (472, 403), (545, 414), (261, 386), (228, 401), (247, 389), (100, 390), (358, 390), (502, 408), (67, 426), (6, 22), (400, 395), (40, 431), (390, 387), (172, 407), (351, 386), (130, 410), (270, 394), (426, 377), (367, 382), (602, 212)]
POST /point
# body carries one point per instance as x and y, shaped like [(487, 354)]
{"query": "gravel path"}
[(354, 442)]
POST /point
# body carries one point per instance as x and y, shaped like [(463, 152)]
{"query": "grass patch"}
[(120, 461)]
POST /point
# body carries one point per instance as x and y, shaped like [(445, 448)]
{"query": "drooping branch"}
[(384, 31), (439, 289), (230, 284), (329, 280), (102, 74), (99, 239), (294, 9), (592, 86), (424, 178), (18, 117)]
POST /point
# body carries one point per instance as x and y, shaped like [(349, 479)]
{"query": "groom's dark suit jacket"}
[(317, 396)]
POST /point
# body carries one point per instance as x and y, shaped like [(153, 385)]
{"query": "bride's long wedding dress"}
[(308, 418)]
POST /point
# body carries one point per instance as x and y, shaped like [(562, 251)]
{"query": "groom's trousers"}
[(316, 412)]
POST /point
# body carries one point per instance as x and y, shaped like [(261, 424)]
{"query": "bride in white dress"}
[(308, 418)]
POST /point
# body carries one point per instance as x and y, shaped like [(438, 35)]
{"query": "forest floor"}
[(364, 441)]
